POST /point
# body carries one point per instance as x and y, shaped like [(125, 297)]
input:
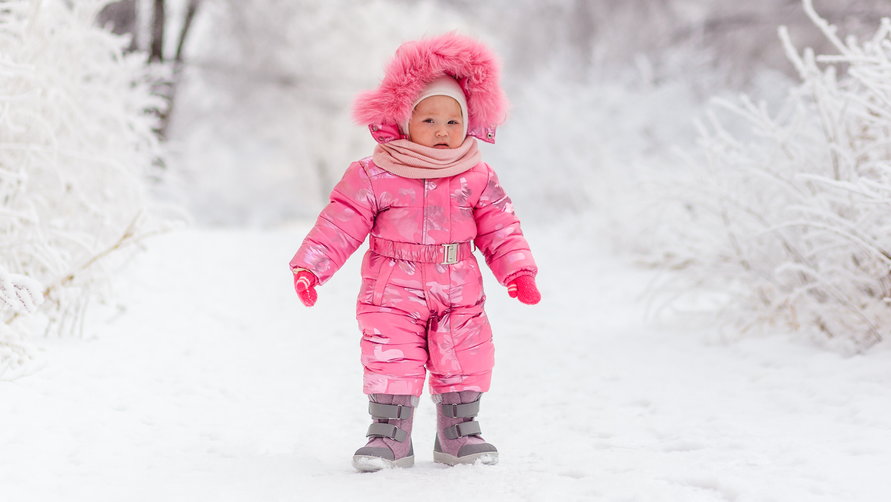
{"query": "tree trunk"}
[(156, 52), (178, 61), (184, 32)]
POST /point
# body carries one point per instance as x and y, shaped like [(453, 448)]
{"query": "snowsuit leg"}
[(459, 339), (461, 353), (394, 350)]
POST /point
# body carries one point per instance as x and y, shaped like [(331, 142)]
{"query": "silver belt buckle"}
[(450, 254)]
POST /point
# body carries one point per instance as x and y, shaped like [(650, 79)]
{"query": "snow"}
[(215, 383)]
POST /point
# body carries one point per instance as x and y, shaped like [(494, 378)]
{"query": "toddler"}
[(426, 198)]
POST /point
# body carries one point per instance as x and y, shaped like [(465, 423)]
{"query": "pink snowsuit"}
[(421, 300)]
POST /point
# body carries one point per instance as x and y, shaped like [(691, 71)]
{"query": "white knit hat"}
[(443, 86)]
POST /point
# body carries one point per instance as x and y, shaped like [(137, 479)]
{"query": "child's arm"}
[(341, 227), (500, 239)]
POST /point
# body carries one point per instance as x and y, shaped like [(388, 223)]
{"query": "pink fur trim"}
[(419, 62)]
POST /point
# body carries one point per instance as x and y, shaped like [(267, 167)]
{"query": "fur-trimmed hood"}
[(419, 62)]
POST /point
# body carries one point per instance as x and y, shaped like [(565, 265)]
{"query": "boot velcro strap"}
[(466, 410), (380, 430), (463, 429), (378, 410)]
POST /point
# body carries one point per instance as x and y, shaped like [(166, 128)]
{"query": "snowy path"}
[(215, 384)]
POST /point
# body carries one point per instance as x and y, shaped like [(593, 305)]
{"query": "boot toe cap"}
[(375, 451), (473, 449)]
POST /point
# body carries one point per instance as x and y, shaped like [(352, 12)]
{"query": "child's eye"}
[(453, 122), (428, 121)]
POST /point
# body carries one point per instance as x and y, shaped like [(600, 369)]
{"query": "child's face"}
[(436, 122)]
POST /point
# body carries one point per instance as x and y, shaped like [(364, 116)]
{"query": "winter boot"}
[(458, 439), (390, 433)]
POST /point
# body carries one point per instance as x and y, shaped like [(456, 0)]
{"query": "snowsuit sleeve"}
[(499, 236), (341, 227)]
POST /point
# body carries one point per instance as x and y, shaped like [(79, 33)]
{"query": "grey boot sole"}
[(485, 458), (367, 463)]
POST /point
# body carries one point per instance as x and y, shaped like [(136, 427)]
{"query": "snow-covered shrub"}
[(76, 143), (21, 295), (790, 212)]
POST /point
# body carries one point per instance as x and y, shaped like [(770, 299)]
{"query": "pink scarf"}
[(411, 160)]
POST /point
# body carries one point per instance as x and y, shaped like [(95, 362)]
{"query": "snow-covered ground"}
[(215, 383)]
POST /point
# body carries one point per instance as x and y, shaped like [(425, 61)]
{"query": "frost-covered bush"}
[(76, 143), (790, 212)]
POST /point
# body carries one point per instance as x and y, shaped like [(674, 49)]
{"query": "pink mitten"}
[(305, 285), (523, 288)]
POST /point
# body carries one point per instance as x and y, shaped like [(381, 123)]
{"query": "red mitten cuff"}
[(523, 288)]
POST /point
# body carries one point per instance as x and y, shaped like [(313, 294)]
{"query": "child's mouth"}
[(441, 145)]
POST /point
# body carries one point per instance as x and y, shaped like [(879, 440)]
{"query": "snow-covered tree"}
[(76, 146), (790, 211)]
